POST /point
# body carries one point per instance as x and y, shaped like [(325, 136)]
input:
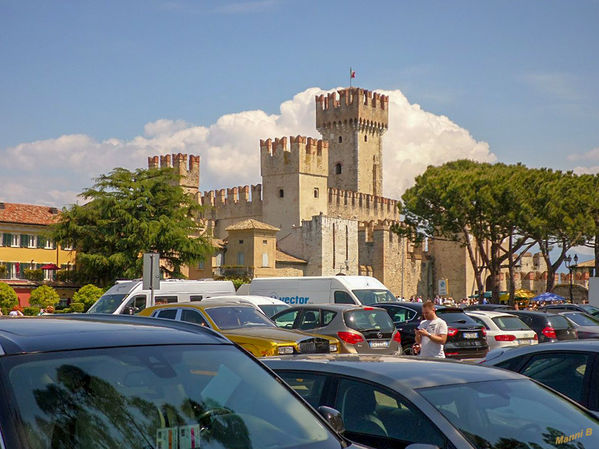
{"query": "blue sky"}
[(520, 76)]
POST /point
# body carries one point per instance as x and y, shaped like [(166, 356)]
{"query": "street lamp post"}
[(570, 266)]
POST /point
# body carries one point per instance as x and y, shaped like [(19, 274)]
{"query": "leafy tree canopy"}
[(128, 214), (87, 296), (8, 297), (44, 296)]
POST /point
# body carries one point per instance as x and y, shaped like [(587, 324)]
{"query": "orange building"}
[(24, 250)]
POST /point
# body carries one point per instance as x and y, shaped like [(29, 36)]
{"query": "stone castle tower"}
[(294, 180), (354, 125), (190, 174)]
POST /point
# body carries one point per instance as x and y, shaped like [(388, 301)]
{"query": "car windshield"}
[(590, 309), (233, 317), (208, 396), (371, 296), (272, 309), (558, 322), (514, 414), (582, 319), (510, 323), (368, 320), (455, 317), (108, 303)]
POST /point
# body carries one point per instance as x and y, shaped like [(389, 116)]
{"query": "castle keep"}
[(319, 209)]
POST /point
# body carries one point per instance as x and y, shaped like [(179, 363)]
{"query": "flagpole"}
[(350, 72)]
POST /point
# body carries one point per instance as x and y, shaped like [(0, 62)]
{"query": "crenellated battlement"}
[(187, 167), (290, 155), (231, 196), (361, 206), (352, 107)]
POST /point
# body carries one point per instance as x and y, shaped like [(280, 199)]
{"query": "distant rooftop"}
[(251, 224), (28, 214)]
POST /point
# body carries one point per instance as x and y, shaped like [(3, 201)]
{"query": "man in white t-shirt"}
[(431, 334)]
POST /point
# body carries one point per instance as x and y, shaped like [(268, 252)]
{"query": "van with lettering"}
[(364, 290), (128, 296)]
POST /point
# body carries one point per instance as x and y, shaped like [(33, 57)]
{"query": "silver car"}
[(360, 329)]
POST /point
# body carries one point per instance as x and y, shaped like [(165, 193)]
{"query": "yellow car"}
[(246, 326)]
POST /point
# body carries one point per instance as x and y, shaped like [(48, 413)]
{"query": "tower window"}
[(340, 139), (281, 193), (365, 138), (315, 192), (338, 169)]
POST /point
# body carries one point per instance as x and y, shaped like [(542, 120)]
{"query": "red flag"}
[(353, 74)]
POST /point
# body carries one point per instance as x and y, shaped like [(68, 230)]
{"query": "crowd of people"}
[(520, 304)]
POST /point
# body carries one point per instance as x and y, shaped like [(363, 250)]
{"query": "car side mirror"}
[(422, 446), (333, 417)]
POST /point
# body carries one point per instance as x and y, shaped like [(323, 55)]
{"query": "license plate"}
[(470, 334), (378, 344)]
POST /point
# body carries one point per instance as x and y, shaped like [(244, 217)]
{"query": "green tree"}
[(44, 296), (8, 297), (588, 186), (87, 296), (127, 214)]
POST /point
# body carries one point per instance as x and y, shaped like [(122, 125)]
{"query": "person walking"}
[(431, 334)]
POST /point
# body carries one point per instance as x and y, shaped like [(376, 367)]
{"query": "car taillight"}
[(505, 337), (451, 331), (350, 337), (397, 337), (536, 337), (484, 331), (549, 332), (368, 308)]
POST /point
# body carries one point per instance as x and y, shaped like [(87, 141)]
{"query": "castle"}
[(319, 209)]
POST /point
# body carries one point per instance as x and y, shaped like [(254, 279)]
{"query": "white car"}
[(504, 330), (267, 305)]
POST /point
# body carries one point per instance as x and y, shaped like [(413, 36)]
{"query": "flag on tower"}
[(352, 74)]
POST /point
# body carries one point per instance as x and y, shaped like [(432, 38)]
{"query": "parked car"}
[(269, 306), (503, 329), (489, 307), (570, 367), (360, 329), (90, 381), (587, 326), (549, 327), (406, 317), (246, 326), (391, 402), (465, 337), (584, 308)]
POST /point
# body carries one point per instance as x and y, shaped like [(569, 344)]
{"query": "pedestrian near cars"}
[(431, 334), (15, 312)]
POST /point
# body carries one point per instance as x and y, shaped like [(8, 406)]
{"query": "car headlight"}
[(333, 348), (285, 350)]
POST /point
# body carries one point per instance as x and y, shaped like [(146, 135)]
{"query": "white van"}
[(127, 297), (323, 289), (269, 306)]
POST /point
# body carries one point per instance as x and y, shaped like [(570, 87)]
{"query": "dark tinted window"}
[(510, 323), (170, 314), (327, 317), (309, 319), (564, 372), (582, 319), (165, 299), (371, 410), (400, 314), (196, 297), (558, 322), (343, 298), (286, 319), (272, 309), (362, 320), (135, 305), (193, 316), (590, 309), (308, 385)]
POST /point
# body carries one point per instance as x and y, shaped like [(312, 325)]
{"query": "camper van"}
[(128, 297), (364, 290)]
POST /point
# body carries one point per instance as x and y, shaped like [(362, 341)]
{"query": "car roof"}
[(400, 371), (488, 313), (88, 331), (588, 344), (532, 313), (207, 303), (336, 307)]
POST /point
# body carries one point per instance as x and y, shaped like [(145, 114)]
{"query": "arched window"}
[(340, 139), (338, 169), (365, 138), (315, 192)]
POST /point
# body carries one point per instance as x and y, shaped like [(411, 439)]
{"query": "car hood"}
[(275, 334)]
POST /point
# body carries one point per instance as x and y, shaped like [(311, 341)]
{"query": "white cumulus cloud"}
[(52, 171)]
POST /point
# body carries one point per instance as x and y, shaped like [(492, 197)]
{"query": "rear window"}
[(364, 320), (452, 317), (510, 323), (590, 309), (583, 319), (558, 322)]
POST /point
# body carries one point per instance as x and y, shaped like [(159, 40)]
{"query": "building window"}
[(338, 169), (6, 239), (365, 138), (265, 242), (241, 242), (67, 247), (219, 260), (15, 240), (201, 265), (315, 192), (265, 259), (240, 259), (24, 241), (340, 139), (281, 193)]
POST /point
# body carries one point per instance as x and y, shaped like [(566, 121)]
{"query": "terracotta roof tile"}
[(251, 224), (28, 214), (284, 257)]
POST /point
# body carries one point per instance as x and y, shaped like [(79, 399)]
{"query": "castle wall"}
[(326, 243), (188, 168), (361, 206)]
